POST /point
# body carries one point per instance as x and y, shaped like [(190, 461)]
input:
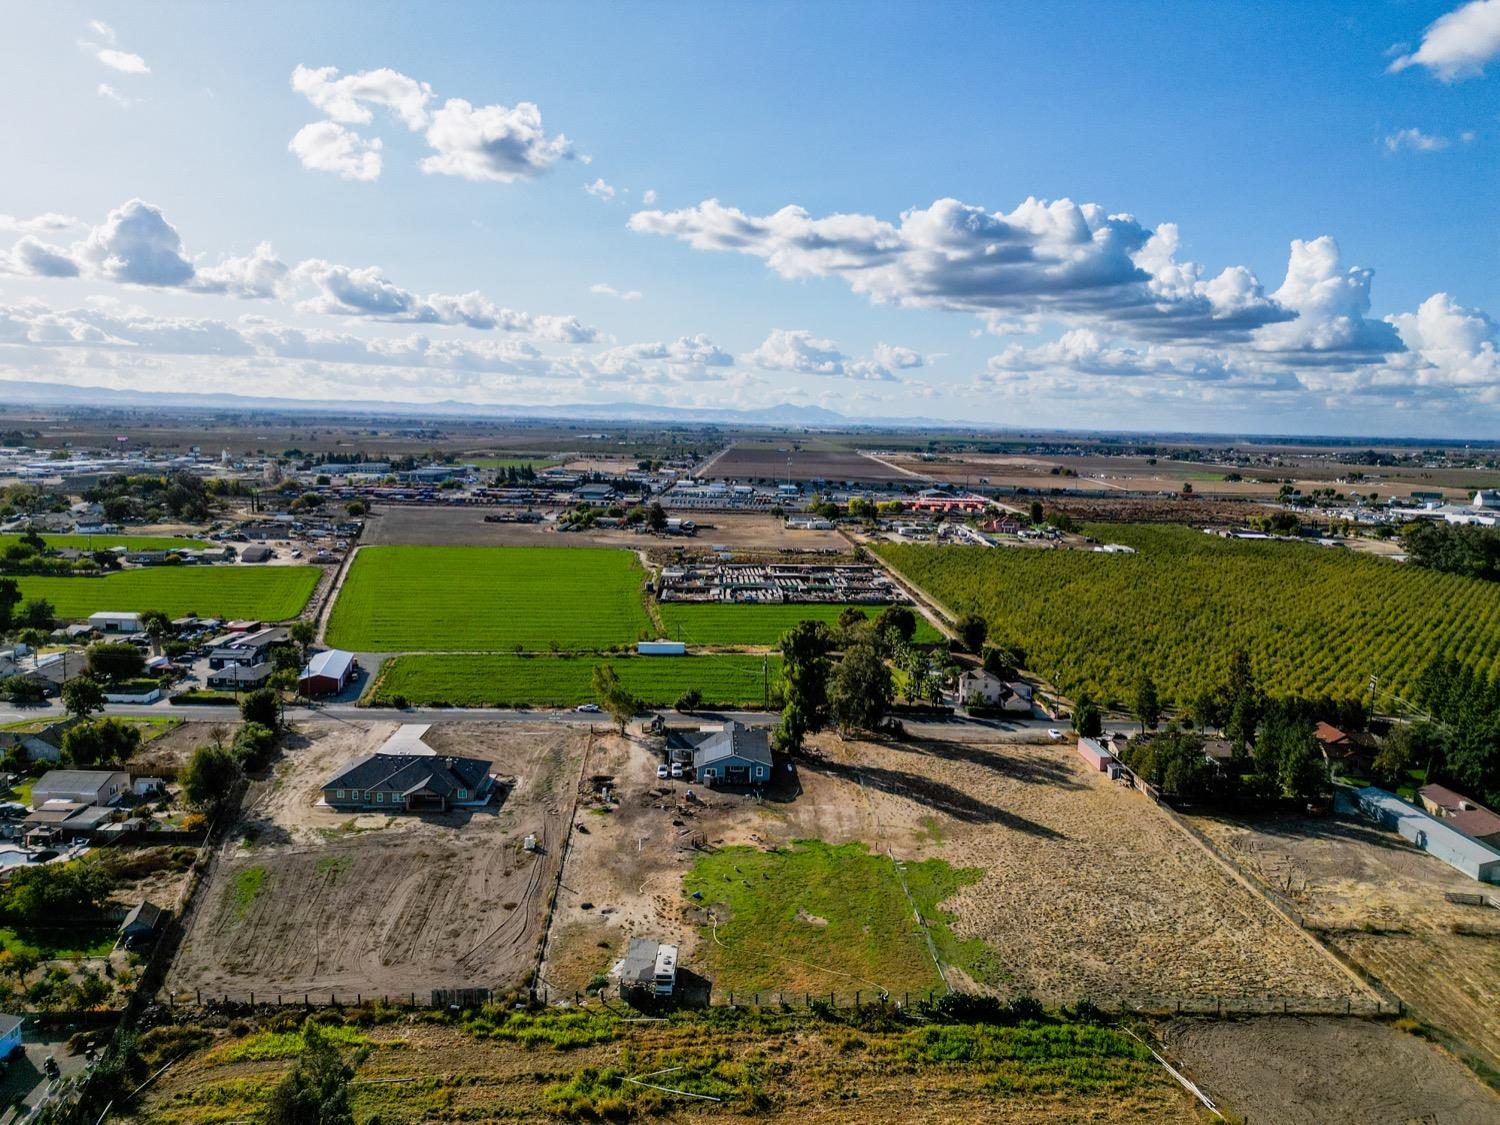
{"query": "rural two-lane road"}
[(957, 725)]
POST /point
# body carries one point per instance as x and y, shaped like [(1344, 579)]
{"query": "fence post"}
[(856, 999), (252, 999)]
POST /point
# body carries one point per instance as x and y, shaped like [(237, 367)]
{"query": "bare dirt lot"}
[(1381, 901), (1309, 1071), (798, 460), (1087, 890), (306, 899), (466, 527)]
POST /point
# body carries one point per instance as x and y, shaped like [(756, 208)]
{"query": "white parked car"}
[(1055, 733), (661, 772), (588, 708), (676, 769)]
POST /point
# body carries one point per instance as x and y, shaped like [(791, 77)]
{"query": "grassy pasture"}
[(544, 680), (489, 598), (511, 462), (819, 918), (272, 593), (1315, 621), (105, 542), (717, 623)]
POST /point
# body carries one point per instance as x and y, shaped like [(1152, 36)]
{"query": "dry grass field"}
[(801, 460), (306, 899), (1085, 889), (764, 1066), (1381, 901)]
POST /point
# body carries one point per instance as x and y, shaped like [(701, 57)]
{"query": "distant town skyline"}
[(1181, 218)]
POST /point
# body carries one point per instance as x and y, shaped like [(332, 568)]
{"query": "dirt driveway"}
[(306, 899)]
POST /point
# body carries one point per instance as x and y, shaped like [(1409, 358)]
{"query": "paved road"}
[(956, 727)]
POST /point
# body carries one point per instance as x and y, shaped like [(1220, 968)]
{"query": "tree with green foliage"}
[(896, 624), (972, 631), (1288, 758), (82, 696), (316, 1090), (114, 661), (1147, 703), (1004, 662), (804, 668), (262, 706), (23, 691), (1088, 721), (302, 633), (689, 701), (859, 691), (211, 779), (100, 742), (55, 893), (853, 626), (612, 695), (656, 517), (39, 614), (1036, 514), (356, 508), (156, 625), (1172, 761), (10, 597)]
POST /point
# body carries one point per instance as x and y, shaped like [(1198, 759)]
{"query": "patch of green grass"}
[(561, 1031), (272, 593), (264, 1045), (1032, 1058), (332, 867), (933, 882), (1314, 621), (544, 680), (511, 462), (404, 599), (106, 542), (719, 623), (61, 943), (816, 916), (152, 728), (246, 888)]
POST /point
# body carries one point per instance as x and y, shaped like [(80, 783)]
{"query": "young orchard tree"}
[(619, 703)]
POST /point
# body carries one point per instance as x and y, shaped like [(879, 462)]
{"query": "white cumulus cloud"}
[(604, 290), (326, 146), (492, 142), (1414, 140), (600, 190), (1458, 44)]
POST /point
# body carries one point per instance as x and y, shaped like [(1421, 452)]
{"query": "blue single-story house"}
[(736, 755)]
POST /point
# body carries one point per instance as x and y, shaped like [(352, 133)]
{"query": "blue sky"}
[(470, 265)]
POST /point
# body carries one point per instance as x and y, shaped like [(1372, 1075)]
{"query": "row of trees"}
[(1467, 549)]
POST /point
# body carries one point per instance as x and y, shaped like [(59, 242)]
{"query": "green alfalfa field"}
[(547, 680), (268, 593), (424, 599)]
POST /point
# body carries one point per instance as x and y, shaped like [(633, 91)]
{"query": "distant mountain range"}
[(22, 393)]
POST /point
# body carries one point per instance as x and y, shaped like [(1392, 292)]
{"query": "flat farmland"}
[(1315, 621), (273, 593), (800, 461), (105, 542), (544, 680), (306, 899), (414, 599), (1381, 901), (719, 623)]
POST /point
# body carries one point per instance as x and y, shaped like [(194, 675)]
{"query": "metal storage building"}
[(1475, 859)]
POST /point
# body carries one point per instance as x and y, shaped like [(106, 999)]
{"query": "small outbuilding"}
[(10, 1034), (142, 922), (110, 622)]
